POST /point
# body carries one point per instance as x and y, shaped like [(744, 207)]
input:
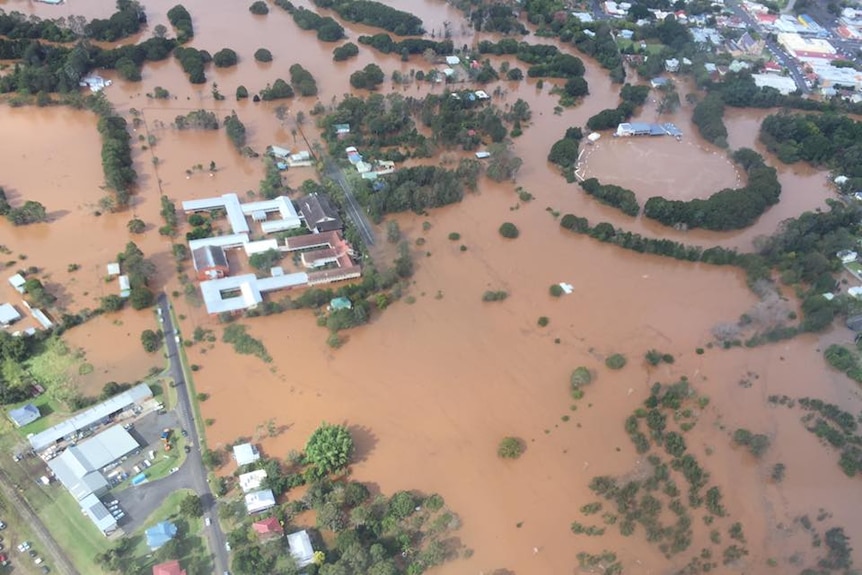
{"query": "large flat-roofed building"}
[(803, 48), (92, 416), (78, 467)]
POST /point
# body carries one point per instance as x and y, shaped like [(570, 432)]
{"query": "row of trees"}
[(181, 20), (193, 61), (728, 209), (708, 116), (614, 196), (117, 164), (368, 78), (375, 14), (384, 43), (345, 52), (302, 81), (496, 17), (29, 213), (545, 60), (328, 30), (125, 22), (632, 97)]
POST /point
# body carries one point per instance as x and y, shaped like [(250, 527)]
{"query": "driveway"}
[(139, 501)]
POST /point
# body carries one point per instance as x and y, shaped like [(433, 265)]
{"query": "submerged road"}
[(354, 210), (197, 471)]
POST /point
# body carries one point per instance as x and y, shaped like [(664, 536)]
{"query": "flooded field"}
[(429, 388)]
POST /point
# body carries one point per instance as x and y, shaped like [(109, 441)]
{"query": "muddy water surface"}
[(429, 388)]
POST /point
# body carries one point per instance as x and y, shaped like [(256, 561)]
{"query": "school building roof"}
[(91, 416)]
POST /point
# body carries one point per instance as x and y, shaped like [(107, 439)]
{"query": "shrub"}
[(543, 321), (454, 236), (616, 361), (241, 93), (510, 448), (509, 230), (259, 7), (136, 226), (345, 52), (556, 290), (263, 55), (580, 377), (495, 295), (151, 340), (225, 58)]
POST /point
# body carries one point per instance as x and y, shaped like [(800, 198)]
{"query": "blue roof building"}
[(25, 414), (159, 534)]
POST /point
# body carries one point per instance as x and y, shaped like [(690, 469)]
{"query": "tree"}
[(225, 58), (111, 303), (503, 164), (31, 212), (151, 340), (259, 7), (510, 448), (580, 376), (141, 297), (263, 55), (345, 52), (509, 230), (136, 226), (265, 260), (329, 449), (192, 506), (368, 78), (235, 130)]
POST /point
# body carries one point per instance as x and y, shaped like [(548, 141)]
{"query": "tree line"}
[(30, 212), (728, 209), (546, 60), (385, 44), (328, 30), (827, 139), (375, 14), (611, 195), (631, 98)]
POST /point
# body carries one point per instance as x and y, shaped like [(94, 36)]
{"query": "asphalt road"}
[(354, 210), (194, 467), (53, 551), (137, 501)]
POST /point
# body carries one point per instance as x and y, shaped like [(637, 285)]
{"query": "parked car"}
[(207, 521), (24, 546), (184, 433), (32, 552), (227, 545), (2, 526), (38, 560)]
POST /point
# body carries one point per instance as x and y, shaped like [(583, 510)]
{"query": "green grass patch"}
[(854, 268), (78, 537), (651, 49)]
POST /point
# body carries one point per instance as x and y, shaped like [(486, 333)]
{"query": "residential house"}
[(8, 314), (341, 130), (745, 45), (25, 414), (245, 453), (319, 213), (168, 568), (671, 65), (17, 281), (453, 60), (300, 547), (159, 534), (258, 501), (847, 256), (268, 528), (252, 480), (210, 262)]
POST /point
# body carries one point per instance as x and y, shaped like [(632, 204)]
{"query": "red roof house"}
[(268, 527), (168, 568)]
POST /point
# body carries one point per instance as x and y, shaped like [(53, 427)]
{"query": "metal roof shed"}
[(245, 453), (300, 547), (91, 416), (258, 501), (98, 514), (8, 314), (25, 414), (17, 281)]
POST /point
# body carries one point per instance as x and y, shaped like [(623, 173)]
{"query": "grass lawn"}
[(75, 533), (651, 49), (18, 531), (854, 268)]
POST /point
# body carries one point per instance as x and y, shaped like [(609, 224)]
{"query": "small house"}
[(340, 303), (319, 213), (453, 60), (483, 155), (17, 281), (113, 269), (168, 568), (341, 130), (252, 480), (268, 528), (159, 534), (671, 65), (8, 314), (245, 453), (847, 256), (210, 262), (299, 544), (125, 286), (279, 152), (94, 82), (258, 501), (25, 414), (658, 82)]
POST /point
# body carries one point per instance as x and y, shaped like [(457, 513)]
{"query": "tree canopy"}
[(329, 449)]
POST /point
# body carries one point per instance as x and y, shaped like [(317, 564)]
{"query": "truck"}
[(166, 438)]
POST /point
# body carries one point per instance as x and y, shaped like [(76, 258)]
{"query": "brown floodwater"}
[(429, 388)]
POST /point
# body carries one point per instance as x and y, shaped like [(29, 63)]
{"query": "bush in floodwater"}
[(495, 295), (509, 230), (510, 448), (556, 290), (454, 236), (262, 55), (543, 321), (616, 361)]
